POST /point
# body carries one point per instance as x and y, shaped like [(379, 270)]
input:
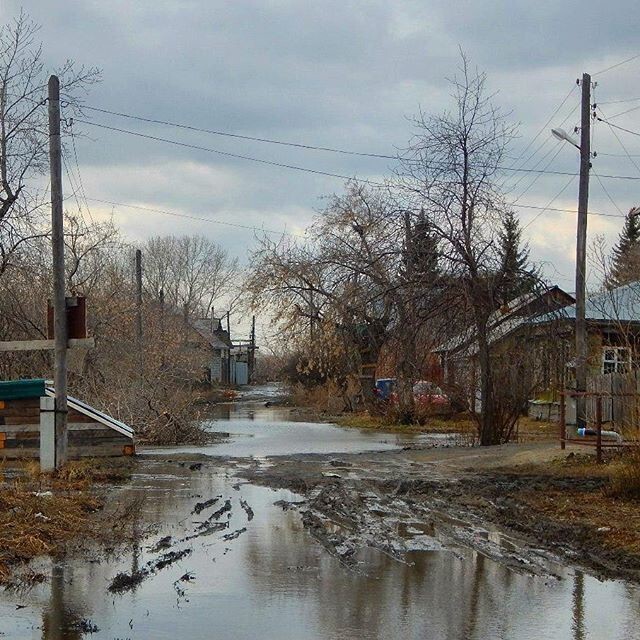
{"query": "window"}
[(616, 359)]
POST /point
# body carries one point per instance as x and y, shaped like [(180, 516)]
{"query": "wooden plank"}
[(76, 416), (83, 426), (22, 420), (23, 435), (19, 403), (12, 429), (45, 345)]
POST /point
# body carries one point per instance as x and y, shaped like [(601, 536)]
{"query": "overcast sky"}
[(337, 74)]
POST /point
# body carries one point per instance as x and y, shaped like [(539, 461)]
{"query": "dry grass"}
[(530, 430), (460, 424), (624, 476), (608, 508), (41, 513), (614, 522)]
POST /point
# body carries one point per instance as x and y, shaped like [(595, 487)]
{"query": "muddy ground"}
[(526, 506)]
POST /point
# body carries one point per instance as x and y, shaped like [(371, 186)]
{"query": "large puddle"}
[(259, 431), (270, 580)]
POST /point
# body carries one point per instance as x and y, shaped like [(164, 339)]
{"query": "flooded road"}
[(260, 431), (251, 570)]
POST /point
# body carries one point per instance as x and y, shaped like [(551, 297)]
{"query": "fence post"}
[(563, 425), (599, 428), (47, 434)]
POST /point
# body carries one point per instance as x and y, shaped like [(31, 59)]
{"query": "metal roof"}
[(217, 339), (621, 304), (502, 321)]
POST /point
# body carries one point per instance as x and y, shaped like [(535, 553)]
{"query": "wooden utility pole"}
[(581, 251), (59, 302), (251, 355), (139, 311)]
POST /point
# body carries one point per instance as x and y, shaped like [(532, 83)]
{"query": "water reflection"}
[(257, 430), (274, 581), (61, 619)]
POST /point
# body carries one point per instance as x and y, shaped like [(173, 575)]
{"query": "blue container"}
[(385, 387)]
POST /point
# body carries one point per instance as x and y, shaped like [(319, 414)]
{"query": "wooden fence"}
[(620, 394)]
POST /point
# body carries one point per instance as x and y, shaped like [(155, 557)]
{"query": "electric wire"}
[(615, 66), (557, 149), (615, 126), (77, 163), (620, 101), (546, 141), (566, 186), (613, 202), (622, 113), (240, 136), (617, 137), (231, 155), (546, 124), (191, 217), (306, 169)]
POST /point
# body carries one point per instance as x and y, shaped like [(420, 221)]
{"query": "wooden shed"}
[(91, 433)]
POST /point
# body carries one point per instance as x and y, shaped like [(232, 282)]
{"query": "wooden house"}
[(542, 327), (91, 433)]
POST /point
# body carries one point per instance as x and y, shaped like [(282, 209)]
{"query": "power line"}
[(545, 125), (231, 155), (615, 66), (315, 171), (556, 209), (544, 143), (557, 149), (619, 155), (620, 101), (240, 136), (190, 217), (613, 202), (617, 137), (633, 133), (288, 233), (550, 203), (624, 112)]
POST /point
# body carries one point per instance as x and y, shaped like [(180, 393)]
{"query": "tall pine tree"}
[(625, 259), (516, 276), (424, 244)]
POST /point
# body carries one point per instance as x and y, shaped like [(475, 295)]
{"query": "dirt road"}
[(526, 506)]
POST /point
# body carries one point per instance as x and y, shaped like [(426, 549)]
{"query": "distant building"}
[(219, 369)]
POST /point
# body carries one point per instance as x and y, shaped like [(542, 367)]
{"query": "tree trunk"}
[(405, 373), (488, 432)]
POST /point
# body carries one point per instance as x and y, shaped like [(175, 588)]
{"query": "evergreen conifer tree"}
[(425, 250), (516, 276), (625, 262)]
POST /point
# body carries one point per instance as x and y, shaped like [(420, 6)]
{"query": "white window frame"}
[(616, 359)]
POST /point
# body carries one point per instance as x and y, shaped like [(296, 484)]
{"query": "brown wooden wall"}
[(20, 433)]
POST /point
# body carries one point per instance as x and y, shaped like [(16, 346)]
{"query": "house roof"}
[(218, 339), (621, 304), (507, 318)]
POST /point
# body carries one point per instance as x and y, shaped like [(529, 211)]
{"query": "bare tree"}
[(450, 171), (367, 274), (23, 131), (191, 271)]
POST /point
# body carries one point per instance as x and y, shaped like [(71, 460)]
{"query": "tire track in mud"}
[(124, 582), (393, 509)]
